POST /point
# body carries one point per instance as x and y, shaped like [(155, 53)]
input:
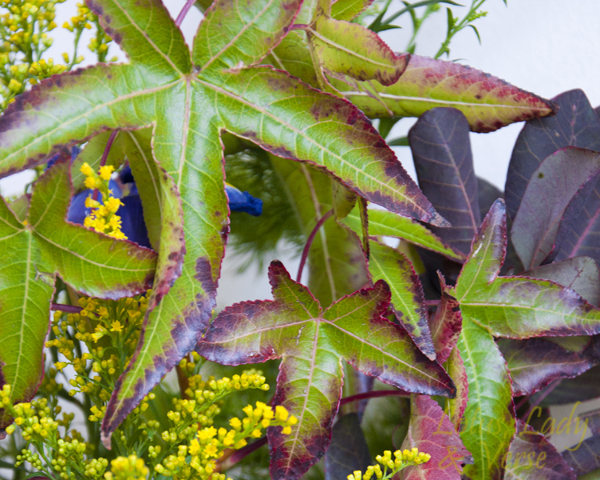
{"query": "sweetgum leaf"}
[(336, 261), (189, 98), (456, 369), (551, 188), (517, 307), (313, 343), (445, 325), (576, 124), (579, 225), (34, 254), (488, 423), (488, 102), (441, 149), (348, 9), (533, 457), (431, 431), (389, 264), (388, 224), (345, 48), (348, 450), (535, 362)]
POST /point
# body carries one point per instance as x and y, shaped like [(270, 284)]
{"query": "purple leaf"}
[(348, 450), (552, 186), (579, 389), (488, 194), (575, 125), (441, 149), (536, 362), (533, 457), (580, 225), (585, 457), (313, 343)]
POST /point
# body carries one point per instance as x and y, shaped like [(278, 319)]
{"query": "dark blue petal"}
[(132, 218), (243, 201), (52, 160), (77, 210), (126, 176)]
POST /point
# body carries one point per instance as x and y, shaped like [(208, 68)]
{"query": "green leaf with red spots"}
[(36, 252), (517, 307), (431, 431), (190, 97), (313, 344), (488, 102)]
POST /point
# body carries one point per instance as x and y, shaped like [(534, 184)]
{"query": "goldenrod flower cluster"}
[(402, 459), (24, 29), (103, 216)]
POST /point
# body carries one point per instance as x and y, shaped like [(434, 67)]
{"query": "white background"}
[(544, 46)]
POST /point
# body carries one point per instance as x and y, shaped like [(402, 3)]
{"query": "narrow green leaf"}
[(343, 200), (488, 102), (313, 344), (348, 9), (92, 155), (382, 223), (392, 266), (19, 206), (488, 425), (346, 48)]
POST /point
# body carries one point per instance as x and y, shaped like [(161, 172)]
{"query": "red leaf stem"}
[(309, 242)]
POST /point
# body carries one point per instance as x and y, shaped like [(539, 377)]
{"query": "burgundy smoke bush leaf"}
[(348, 450), (575, 124), (441, 149), (313, 343), (585, 457), (533, 457), (535, 362), (552, 186), (581, 274), (517, 307), (445, 324), (389, 264), (580, 225), (488, 102), (431, 431), (570, 390)]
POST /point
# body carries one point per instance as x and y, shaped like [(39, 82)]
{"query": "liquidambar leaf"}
[(445, 324), (441, 150), (533, 457), (548, 193), (431, 431), (488, 102), (389, 264), (313, 344), (345, 48), (576, 124), (388, 224), (348, 9), (517, 307), (488, 423), (190, 99), (34, 253)]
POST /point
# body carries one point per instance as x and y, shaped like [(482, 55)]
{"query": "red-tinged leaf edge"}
[(446, 323)]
